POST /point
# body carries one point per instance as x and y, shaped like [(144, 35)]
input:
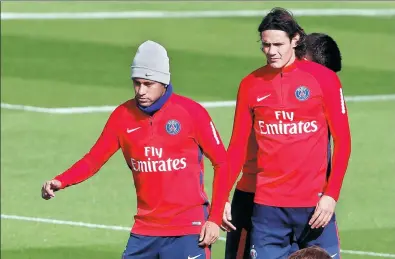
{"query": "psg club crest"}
[(253, 253), (173, 127), (302, 93)]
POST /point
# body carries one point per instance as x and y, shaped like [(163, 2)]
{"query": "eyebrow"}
[(142, 81), (272, 43)]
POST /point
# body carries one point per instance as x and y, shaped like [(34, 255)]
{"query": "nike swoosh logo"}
[(258, 99), (194, 257), (333, 256), (131, 130)]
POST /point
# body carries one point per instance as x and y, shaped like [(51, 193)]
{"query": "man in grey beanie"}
[(163, 137), (151, 62), (151, 68)]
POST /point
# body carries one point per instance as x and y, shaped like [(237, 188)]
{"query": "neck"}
[(291, 60), (158, 104)]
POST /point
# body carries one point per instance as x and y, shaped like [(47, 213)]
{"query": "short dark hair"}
[(313, 252), (323, 49), (283, 20)]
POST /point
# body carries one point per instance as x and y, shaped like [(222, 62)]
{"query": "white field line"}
[(215, 104), (119, 228), (191, 14)]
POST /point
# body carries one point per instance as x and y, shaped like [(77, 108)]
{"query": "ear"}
[(294, 41)]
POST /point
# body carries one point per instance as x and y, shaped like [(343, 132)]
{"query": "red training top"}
[(290, 110), (164, 153)]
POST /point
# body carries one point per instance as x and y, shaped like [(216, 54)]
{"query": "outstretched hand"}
[(49, 188)]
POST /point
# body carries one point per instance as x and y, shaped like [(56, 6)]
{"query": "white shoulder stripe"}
[(343, 106), (214, 133)]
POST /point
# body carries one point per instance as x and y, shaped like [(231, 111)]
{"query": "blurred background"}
[(62, 74)]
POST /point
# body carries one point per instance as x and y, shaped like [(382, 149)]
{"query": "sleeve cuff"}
[(334, 195), (217, 219), (62, 184)]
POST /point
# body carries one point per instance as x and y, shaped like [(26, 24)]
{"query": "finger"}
[(207, 238), (54, 186), (323, 221), (327, 219), (204, 242), (202, 232), (228, 215), (224, 228), (229, 225), (316, 214), (50, 193), (212, 236), (49, 190), (214, 233), (316, 219), (214, 239), (44, 195), (319, 222), (44, 192), (47, 187)]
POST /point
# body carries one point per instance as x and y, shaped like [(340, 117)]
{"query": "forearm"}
[(106, 145), (220, 193), (341, 155), (79, 172), (337, 118)]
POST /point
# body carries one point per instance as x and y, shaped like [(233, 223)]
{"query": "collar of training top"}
[(286, 69)]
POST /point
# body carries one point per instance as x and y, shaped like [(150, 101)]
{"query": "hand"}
[(323, 212), (49, 188), (209, 234), (226, 218)]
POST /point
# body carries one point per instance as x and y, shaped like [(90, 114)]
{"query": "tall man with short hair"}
[(322, 49), (290, 104)]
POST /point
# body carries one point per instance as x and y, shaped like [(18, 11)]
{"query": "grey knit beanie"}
[(151, 62)]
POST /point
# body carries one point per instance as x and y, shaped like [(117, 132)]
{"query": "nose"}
[(272, 51), (142, 90)]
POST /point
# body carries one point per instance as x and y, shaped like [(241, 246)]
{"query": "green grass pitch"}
[(68, 63)]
